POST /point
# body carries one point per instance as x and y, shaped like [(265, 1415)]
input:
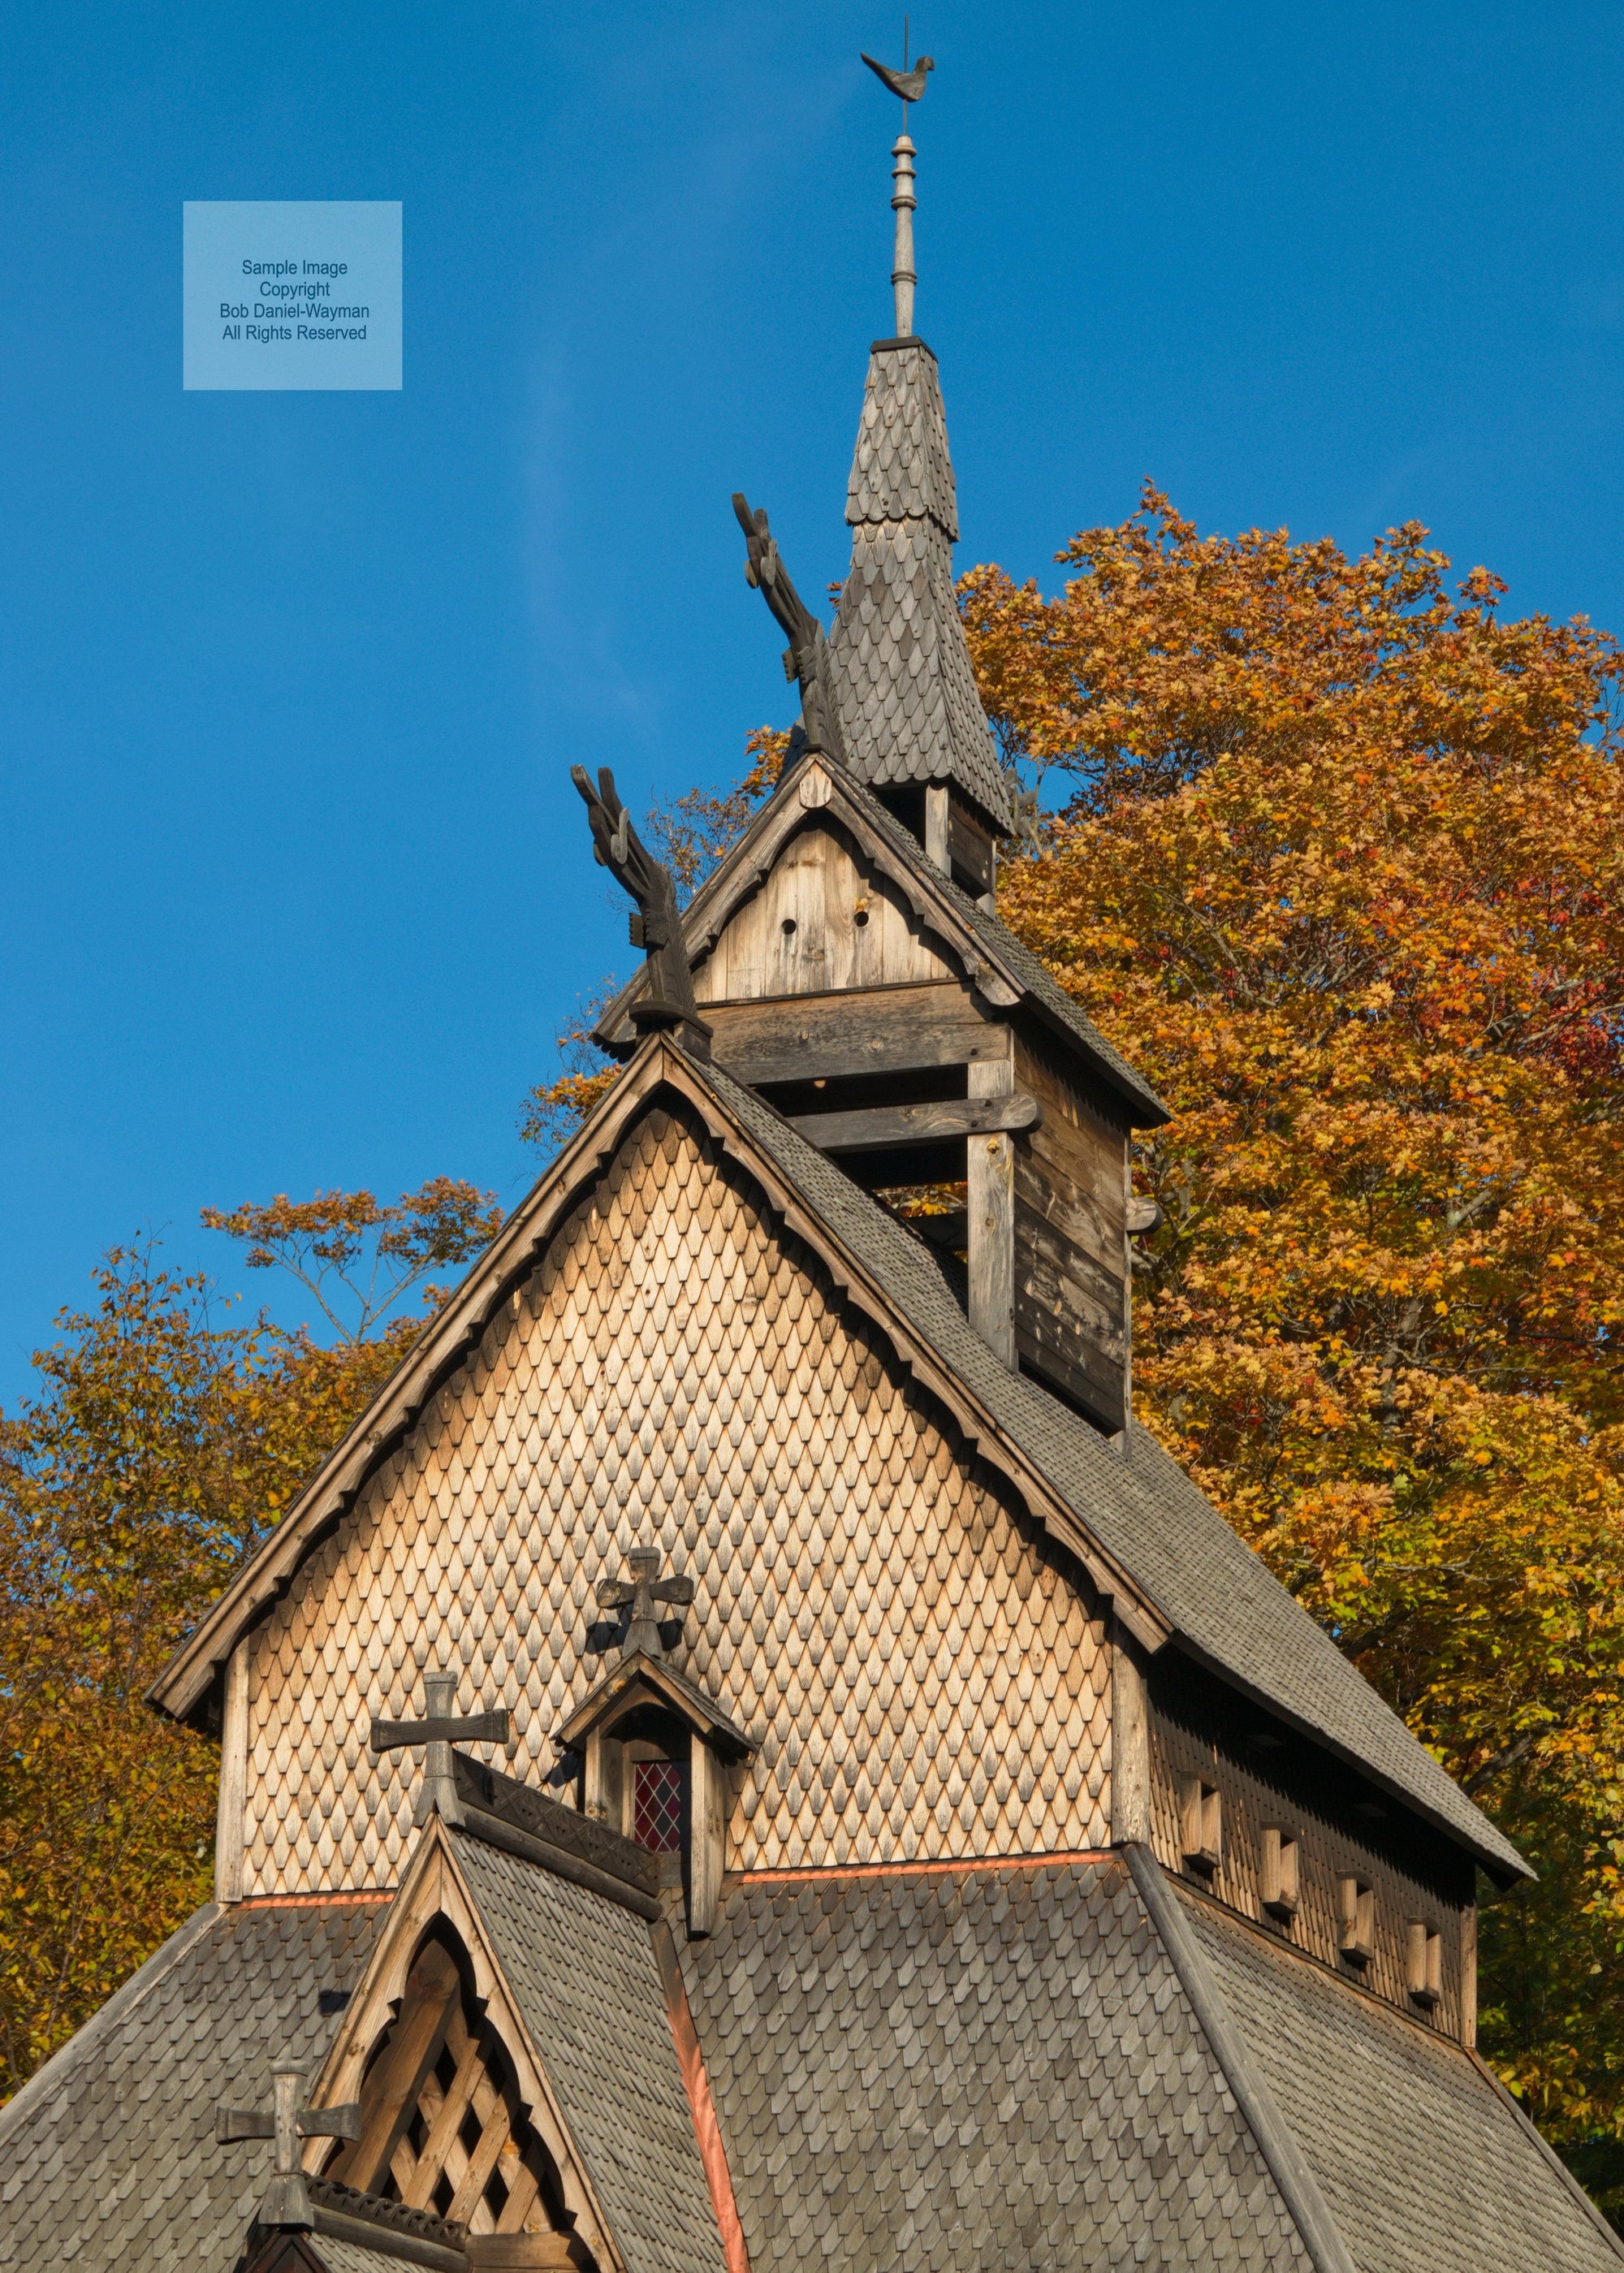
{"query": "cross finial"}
[(437, 1732), (286, 2200), (639, 1594)]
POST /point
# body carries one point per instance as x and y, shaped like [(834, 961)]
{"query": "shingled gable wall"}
[(926, 1679)]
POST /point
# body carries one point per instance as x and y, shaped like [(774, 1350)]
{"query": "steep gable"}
[(926, 1674), (824, 918)]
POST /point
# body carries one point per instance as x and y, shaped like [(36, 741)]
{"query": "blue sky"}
[(296, 892)]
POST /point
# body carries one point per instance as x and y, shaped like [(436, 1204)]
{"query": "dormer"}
[(656, 1751)]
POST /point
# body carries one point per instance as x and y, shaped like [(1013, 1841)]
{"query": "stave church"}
[(747, 1759)]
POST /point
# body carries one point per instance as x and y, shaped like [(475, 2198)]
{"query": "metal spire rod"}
[(909, 85), (902, 203)]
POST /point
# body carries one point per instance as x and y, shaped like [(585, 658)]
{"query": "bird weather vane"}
[(909, 86)]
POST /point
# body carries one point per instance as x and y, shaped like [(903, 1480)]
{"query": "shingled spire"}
[(910, 717)]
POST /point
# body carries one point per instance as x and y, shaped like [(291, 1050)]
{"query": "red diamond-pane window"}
[(656, 1805)]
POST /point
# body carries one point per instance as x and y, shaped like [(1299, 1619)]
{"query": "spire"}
[(902, 203), (910, 714)]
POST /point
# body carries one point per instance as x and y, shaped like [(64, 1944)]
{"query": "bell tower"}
[(846, 956)]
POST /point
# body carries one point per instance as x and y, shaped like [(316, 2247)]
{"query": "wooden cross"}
[(287, 2199), (639, 1594), (438, 1732)]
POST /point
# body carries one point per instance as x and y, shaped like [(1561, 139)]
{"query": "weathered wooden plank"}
[(829, 1037), (882, 1128), (820, 920), (1071, 1171), (229, 1886), (990, 1175), (969, 848), (1063, 1331), (1130, 1742), (389, 2097), (937, 825), (707, 1846), (1068, 1279)]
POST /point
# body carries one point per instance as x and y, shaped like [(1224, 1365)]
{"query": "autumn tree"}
[(166, 1437), (1336, 862), (1339, 866)]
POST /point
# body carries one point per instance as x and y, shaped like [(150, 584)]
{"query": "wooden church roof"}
[(903, 686), (1063, 2062), (1152, 1540)]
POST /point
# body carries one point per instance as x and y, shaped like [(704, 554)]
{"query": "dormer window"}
[(655, 1750), (1280, 1889), (1356, 1912), (1200, 1824), (1424, 1962)]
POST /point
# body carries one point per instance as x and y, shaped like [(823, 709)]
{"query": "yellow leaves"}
[(1343, 876)]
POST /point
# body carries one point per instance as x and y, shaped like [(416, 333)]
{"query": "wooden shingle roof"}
[(903, 686)]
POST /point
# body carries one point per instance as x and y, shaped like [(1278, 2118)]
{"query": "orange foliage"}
[(1343, 874)]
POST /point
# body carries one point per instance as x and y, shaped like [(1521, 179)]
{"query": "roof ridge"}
[(1288, 2166)]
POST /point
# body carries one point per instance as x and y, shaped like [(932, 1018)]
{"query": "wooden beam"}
[(480, 2164), (443, 2130), (707, 1836), (882, 1128), (1130, 1742), (871, 1030), (989, 1170), (935, 812), (232, 1778), (389, 2096)]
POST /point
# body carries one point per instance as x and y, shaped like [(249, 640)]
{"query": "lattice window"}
[(656, 1804), (442, 2125)]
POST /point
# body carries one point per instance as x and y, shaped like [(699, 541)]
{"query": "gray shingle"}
[(353, 2257), (1421, 2158), (992, 2068), (1220, 1598), (582, 1971), (112, 2162), (900, 668)]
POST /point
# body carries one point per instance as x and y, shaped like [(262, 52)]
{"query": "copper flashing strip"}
[(312, 1902), (919, 1870), (706, 2129)]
